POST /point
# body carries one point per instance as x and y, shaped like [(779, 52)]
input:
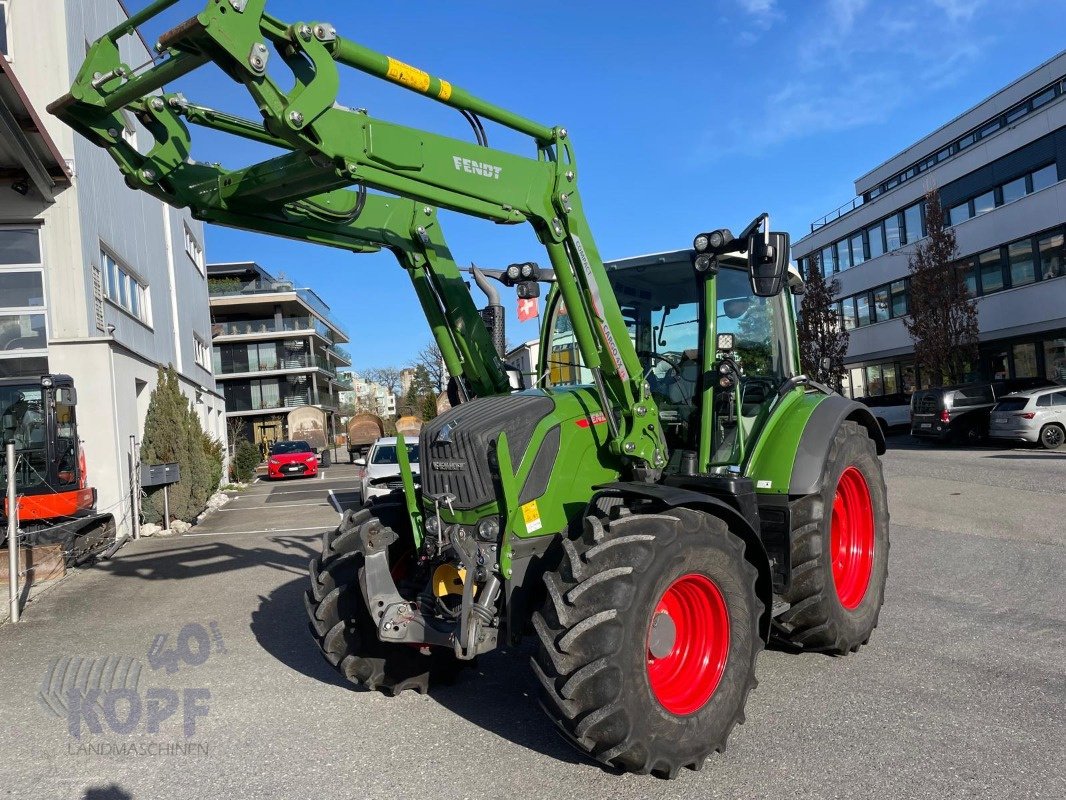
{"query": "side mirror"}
[(768, 258), (514, 379), (67, 396), (360, 462)]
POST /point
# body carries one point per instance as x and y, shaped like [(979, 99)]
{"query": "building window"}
[(124, 290), (984, 203), (1052, 256), (893, 233), (1045, 177), (847, 312), (23, 316), (843, 255), (22, 332), (876, 240), (1044, 97), (5, 43), (959, 213), (968, 276), (20, 289), (1020, 259), (194, 250), (858, 251), (990, 266), (203, 353), (1025, 360), (828, 260), (1015, 190), (898, 290), (1055, 360), (862, 309), (912, 223), (880, 309)]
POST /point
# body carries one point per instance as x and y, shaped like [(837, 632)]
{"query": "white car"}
[(381, 470)]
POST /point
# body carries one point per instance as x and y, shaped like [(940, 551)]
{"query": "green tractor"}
[(671, 493)]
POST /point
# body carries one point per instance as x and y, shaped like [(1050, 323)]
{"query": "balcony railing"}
[(289, 361), (248, 327), (229, 287), (837, 213)]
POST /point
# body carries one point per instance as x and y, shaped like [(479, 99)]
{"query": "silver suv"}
[(1038, 415)]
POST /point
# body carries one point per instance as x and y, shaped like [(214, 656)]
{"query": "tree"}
[(421, 397), (432, 360), (943, 314), (823, 339), (172, 434)]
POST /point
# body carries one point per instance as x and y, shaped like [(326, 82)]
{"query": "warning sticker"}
[(411, 77), (445, 90), (531, 515)]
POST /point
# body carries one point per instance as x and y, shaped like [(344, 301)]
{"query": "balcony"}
[(268, 325), (289, 362), (233, 287)]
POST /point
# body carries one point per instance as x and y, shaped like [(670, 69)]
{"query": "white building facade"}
[(113, 282)]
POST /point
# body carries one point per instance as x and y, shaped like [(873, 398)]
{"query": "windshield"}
[(283, 448), (386, 454), (22, 421)]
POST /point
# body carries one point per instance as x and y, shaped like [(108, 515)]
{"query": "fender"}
[(674, 497), (817, 436)]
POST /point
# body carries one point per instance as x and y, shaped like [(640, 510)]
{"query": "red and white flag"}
[(527, 309)]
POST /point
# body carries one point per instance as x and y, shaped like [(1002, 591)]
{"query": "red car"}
[(291, 460)]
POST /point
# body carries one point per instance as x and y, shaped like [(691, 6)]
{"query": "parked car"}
[(890, 410), (291, 459), (1036, 416), (962, 413), (381, 473)]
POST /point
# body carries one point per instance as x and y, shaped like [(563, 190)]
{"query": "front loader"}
[(672, 493)]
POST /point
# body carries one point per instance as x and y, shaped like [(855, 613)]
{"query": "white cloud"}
[(958, 10), (764, 12)]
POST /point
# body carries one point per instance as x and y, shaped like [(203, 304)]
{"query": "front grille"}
[(456, 461)]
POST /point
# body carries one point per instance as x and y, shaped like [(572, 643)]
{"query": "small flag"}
[(527, 309)]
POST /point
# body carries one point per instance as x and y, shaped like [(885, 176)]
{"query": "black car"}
[(962, 413)]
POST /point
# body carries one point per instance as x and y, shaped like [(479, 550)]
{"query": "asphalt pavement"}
[(218, 690)]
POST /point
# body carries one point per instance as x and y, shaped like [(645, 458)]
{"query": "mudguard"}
[(817, 436)]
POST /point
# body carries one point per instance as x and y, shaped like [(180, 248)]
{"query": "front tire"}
[(341, 623), (648, 640), (840, 550)]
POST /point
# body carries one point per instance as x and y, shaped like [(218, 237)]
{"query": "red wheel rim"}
[(852, 538), (690, 663)]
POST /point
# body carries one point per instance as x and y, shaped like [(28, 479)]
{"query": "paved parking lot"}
[(961, 693)]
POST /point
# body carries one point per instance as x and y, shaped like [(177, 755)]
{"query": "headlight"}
[(311, 459), (700, 243), (514, 272), (433, 525), (488, 529), (274, 461), (527, 271)]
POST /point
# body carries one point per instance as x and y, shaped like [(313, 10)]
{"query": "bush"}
[(172, 434), (245, 460)]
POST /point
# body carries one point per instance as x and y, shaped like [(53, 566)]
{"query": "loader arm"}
[(328, 149)]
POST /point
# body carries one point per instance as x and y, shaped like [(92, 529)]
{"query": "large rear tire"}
[(341, 623), (648, 640), (840, 550)]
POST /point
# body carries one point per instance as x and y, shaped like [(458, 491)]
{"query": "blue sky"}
[(685, 116)]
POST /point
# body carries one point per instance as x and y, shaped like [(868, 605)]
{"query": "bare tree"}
[(389, 377), (823, 339), (430, 358), (943, 314)]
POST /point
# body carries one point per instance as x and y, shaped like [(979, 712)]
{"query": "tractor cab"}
[(711, 349)]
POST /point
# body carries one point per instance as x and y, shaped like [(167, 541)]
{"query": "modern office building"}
[(275, 347), (96, 280), (1000, 169)]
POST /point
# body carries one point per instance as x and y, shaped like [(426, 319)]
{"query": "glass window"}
[(881, 304), (899, 297), (966, 141), (1055, 360), (858, 382), (1052, 256), (862, 309), (943, 154), (875, 387), (21, 289), (1025, 360), (875, 238), (968, 277), (1020, 258), (909, 379), (959, 213), (124, 290), (888, 378), (893, 233), (19, 246), (3, 30), (990, 266), (829, 260), (1045, 177), (843, 255), (858, 251), (989, 129), (984, 202), (804, 266), (912, 222), (848, 312), (1014, 190), (1017, 112), (22, 332), (1043, 97)]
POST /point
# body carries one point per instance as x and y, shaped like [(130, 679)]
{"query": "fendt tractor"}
[(56, 505), (670, 494)]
